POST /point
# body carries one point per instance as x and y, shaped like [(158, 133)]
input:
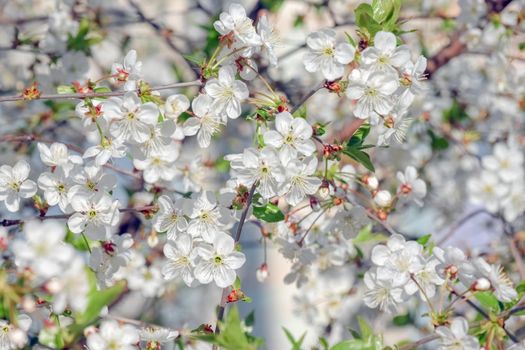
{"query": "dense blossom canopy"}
[(142, 197)]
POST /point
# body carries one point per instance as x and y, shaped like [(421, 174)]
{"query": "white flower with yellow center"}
[(326, 56)]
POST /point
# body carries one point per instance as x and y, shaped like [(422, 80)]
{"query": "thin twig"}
[(14, 222), (418, 343), (97, 94), (220, 311), (307, 96), (458, 224)]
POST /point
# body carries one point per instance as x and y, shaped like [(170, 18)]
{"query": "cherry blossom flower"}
[(57, 155), (171, 216), (372, 91), (326, 56), (293, 135), (56, 187), (175, 105), (107, 149), (111, 335), (130, 119), (207, 217), (14, 337), (410, 185), (42, 249), (158, 166), (262, 167), (456, 337), (386, 294), (94, 215), (14, 184), (236, 22), (227, 93), (384, 55), (181, 259), (219, 261), (205, 122), (505, 161), (300, 180), (499, 281), (269, 39), (128, 72), (487, 190)]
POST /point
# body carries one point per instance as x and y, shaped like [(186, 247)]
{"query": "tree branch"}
[(98, 94), (220, 311), (14, 222)]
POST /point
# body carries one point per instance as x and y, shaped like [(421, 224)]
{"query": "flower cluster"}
[(499, 187), (403, 268)]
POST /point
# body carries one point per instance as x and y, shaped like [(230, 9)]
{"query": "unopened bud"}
[(370, 181), (481, 284), (383, 198), (153, 239), (324, 190), (314, 204), (262, 273), (452, 271)]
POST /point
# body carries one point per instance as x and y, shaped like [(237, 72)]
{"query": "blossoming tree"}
[(360, 164)]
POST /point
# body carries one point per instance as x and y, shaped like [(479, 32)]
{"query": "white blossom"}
[(326, 56), (219, 261), (14, 184)]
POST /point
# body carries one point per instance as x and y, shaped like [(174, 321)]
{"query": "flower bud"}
[(153, 239), (481, 284), (262, 273), (314, 204), (383, 198), (371, 182)]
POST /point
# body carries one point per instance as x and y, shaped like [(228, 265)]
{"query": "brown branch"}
[(418, 343), (307, 96), (98, 94), (456, 47), (14, 222), (347, 131)]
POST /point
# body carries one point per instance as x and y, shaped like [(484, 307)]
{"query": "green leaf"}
[(386, 11), (296, 344), (424, 239), (232, 336), (438, 143), (359, 136), (250, 319), (77, 241), (97, 299), (366, 235), (366, 330), (364, 18), (350, 40), (272, 5), (360, 157), (521, 46), (455, 114), (102, 89), (520, 288), (269, 213), (237, 283), (402, 320), (323, 343), (198, 59), (489, 301), (65, 89)]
